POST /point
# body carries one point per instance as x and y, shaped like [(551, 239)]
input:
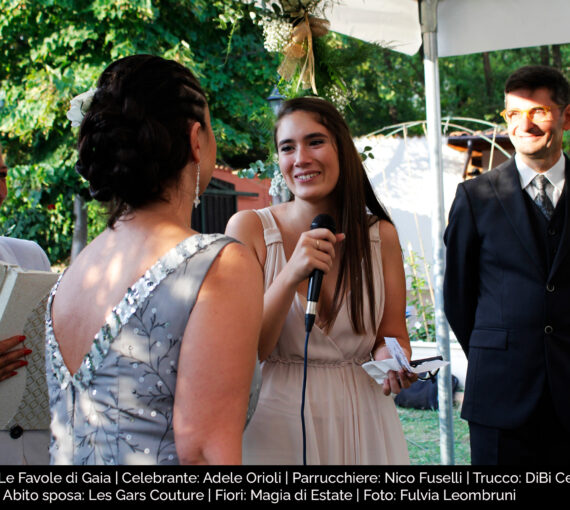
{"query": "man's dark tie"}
[(541, 199)]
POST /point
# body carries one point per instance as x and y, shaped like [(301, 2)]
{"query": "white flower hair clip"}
[(79, 106)]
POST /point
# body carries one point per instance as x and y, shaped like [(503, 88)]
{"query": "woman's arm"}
[(247, 228), (217, 359), (307, 256), (394, 318)]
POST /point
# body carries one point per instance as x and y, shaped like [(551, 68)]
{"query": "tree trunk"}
[(544, 56), (556, 57), (80, 227), (488, 74)]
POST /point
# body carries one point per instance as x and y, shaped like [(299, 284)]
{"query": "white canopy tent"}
[(446, 28), (463, 26)]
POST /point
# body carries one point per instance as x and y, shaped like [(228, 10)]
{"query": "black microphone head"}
[(323, 221)]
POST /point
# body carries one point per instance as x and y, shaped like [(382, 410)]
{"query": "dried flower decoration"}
[(292, 33)]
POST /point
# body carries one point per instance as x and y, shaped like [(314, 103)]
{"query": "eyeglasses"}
[(535, 114)]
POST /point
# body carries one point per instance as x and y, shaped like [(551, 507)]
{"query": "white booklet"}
[(378, 370), (23, 298)]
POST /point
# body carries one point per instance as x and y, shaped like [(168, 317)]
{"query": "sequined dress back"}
[(118, 407)]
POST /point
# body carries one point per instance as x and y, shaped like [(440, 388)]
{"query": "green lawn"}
[(421, 428)]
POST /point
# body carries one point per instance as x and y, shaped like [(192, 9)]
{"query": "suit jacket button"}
[(16, 431), (548, 330), (550, 287), (551, 231)]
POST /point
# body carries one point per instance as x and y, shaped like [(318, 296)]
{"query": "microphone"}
[(316, 278)]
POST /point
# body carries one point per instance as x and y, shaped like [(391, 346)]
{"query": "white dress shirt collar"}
[(554, 174)]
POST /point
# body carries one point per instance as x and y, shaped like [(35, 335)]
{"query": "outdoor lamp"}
[(275, 100)]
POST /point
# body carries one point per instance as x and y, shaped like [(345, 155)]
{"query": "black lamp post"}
[(275, 100)]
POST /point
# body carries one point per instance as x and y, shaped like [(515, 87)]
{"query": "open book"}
[(23, 297)]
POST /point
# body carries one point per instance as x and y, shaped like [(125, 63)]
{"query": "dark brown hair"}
[(536, 77), (133, 141), (353, 196)]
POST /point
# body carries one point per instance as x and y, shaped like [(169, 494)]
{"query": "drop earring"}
[(197, 197)]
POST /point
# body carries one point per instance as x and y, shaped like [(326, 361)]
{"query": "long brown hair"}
[(353, 196)]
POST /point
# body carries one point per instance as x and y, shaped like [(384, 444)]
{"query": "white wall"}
[(402, 181)]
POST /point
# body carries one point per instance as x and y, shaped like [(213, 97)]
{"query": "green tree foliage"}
[(387, 87), (376, 78), (51, 50), (365, 81), (472, 85)]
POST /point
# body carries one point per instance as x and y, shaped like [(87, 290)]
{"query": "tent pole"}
[(428, 18)]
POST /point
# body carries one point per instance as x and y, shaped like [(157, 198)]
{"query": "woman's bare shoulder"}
[(246, 223), (388, 232), (246, 227)]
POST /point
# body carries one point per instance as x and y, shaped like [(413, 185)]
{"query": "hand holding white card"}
[(378, 370), (397, 353)]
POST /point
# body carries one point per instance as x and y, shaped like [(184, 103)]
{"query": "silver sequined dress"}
[(118, 407)]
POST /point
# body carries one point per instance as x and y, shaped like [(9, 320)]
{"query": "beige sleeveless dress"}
[(348, 419)]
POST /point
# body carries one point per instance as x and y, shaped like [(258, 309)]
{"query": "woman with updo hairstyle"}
[(150, 359), (338, 414)]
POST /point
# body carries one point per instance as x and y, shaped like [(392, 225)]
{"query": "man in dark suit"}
[(507, 283)]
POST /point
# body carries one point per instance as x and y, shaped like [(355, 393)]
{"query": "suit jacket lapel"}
[(506, 184), (565, 238)]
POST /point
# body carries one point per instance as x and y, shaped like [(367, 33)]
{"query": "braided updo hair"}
[(134, 139)]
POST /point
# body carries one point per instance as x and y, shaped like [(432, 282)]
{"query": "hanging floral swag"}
[(297, 30)]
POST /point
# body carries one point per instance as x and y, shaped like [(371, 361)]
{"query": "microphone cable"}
[(303, 399), (315, 280), (309, 321)]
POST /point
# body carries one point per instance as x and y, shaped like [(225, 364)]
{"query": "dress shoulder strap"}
[(271, 232), (374, 233)]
